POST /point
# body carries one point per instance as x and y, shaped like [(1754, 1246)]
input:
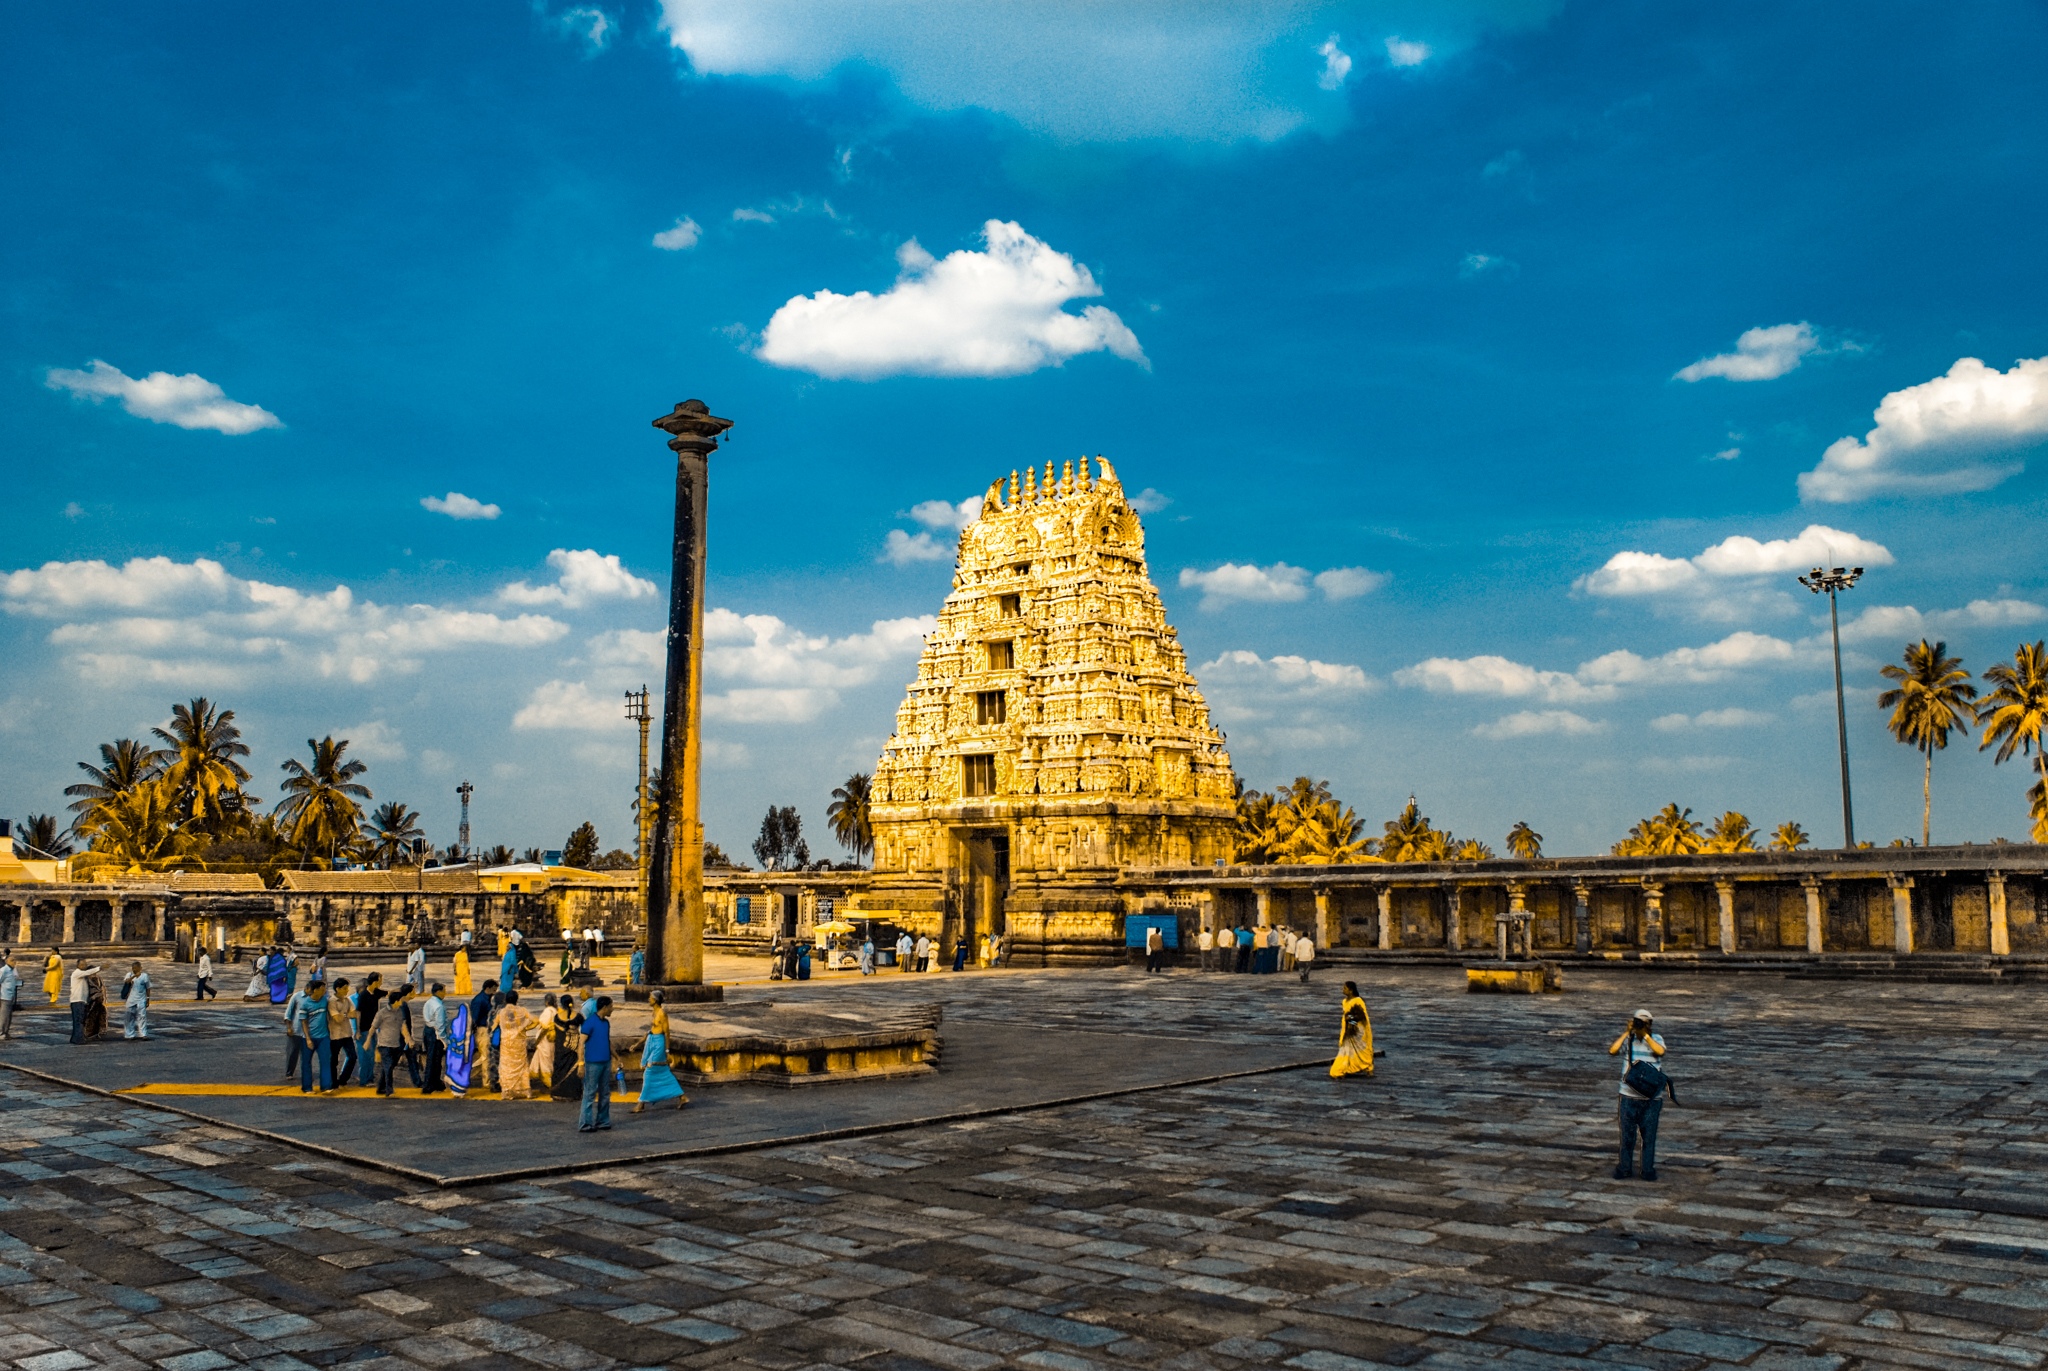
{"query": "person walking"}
[(960, 946), (342, 1033), (204, 988), (314, 1008), (1354, 1037), (416, 969), (462, 986), (10, 992), (1155, 948), (389, 1035), (135, 1004), (658, 1083), (597, 1069), (906, 953), (434, 1017), (1638, 1110), (1304, 956), (867, 956)]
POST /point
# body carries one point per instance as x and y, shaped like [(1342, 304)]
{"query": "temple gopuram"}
[(1053, 736)]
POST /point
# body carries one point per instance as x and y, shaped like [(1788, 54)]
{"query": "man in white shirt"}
[(1304, 956), (205, 978), (81, 996), (416, 969), (906, 954), (1636, 1111), (1208, 946), (435, 1015), (135, 1004), (924, 952), (10, 993)]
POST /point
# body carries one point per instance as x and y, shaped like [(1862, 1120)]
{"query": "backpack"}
[(1646, 1078)]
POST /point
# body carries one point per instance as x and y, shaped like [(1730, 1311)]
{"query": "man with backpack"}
[(1643, 1086)]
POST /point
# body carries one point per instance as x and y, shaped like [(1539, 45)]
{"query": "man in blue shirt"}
[(1244, 948), (1636, 1111), (435, 1016), (597, 1068)]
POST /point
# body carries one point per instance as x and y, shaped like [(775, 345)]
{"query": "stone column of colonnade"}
[(1724, 898), (1902, 911), (28, 910), (1582, 917), (1386, 930), (2001, 937), (1653, 916), (1811, 885), (1454, 915)]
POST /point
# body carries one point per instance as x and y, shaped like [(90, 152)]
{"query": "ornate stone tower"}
[(1053, 734)]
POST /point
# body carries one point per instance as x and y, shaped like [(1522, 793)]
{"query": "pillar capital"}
[(1653, 890), (1725, 885), (1898, 881)]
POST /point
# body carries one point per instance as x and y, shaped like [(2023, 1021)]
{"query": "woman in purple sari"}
[(273, 971), (455, 1069)]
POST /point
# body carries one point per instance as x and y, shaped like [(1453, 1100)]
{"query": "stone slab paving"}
[(1854, 1181)]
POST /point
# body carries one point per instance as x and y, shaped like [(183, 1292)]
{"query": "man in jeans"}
[(597, 1069), (1638, 1112), (10, 993), (390, 1036), (435, 1017)]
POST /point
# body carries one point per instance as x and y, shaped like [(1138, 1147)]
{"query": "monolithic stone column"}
[(1386, 897), (70, 921), (2001, 936), (1326, 919), (1725, 890), (1812, 884), (1653, 917), (675, 912), (116, 911), (1520, 922), (1582, 918), (28, 909), (1264, 899), (1454, 915), (1902, 912)]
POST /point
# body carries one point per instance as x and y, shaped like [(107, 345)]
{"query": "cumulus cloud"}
[(1603, 676), (1761, 354), (1149, 501), (375, 741), (1952, 433), (188, 401), (746, 214), (992, 313), (1712, 718), (1477, 264), (1724, 582), (1530, 723), (1887, 623), (1241, 668), (456, 505), (1336, 64), (1689, 665), (570, 705), (588, 25), (1491, 675), (1349, 582), (1402, 53), (945, 516), (684, 235), (1281, 703), (587, 576), (903, 549), (1275, 584), (192, 623)]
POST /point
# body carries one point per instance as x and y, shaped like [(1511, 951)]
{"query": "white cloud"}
[(1149, 501), (992, 313), (1684, 766), (1530, 723), (1478, 264), (684, 235), (1336, 63), (193, 623), (570, 705), (1727, 454), (588, 25), (1275, 584), (1727, 582), (74, 511), (746, 215), (189, 401), (1761, 354), (1301, 674), (1349, 582), (1283, 704), (943, 516), (1489, 675), (1939, 436), (586, 576), (1712, 718), (375, 741), (1886, 623), (1689, 665), (1405, 54), (901, 549), (456, 505)]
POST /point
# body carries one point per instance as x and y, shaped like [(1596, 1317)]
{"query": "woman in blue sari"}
[(636, 966), (455, 1070), (658, 1083), (508, 966), (273, 971)]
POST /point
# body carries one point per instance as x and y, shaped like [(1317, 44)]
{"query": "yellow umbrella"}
[(836, 926)]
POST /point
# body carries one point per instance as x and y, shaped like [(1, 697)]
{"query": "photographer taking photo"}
[(1643, 1084)]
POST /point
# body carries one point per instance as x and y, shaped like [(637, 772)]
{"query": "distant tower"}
[(465, 790), (636, 710)]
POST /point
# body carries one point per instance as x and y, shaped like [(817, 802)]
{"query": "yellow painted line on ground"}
[(353, 1092)]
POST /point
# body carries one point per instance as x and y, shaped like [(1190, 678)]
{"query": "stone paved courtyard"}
[(1853, 1181)]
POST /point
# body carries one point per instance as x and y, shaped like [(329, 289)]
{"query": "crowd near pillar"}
[(1582, 918), (1902, 912), (1813, 916), (2001, 936)]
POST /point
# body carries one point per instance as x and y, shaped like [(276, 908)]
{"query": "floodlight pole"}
[(465, 790), (636, 710), (1832, 582)]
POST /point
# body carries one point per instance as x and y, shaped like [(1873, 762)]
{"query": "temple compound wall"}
[(1053, 735)]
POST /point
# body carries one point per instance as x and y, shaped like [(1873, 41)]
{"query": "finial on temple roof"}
[(1067, 480), (1084, 472), (1030, 485), (1051, 488), (1013, 488)]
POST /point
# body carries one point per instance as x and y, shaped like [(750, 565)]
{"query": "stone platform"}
[(1512, 978), (763, 1042)]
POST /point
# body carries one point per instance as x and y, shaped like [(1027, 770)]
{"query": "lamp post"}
[(1832, 582), (465, 790), (636, 710)]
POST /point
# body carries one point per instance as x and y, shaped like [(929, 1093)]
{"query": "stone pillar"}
[(1327, 931), (1263, 898), (117, 909), (28, 910), (675, 914), (1902, 911), (1519, 922), (1812, 885), (1582, 918), (1454, 915), (70, 920), (1653, 917), (2001, 935), (1386, 899), (1725, 892)]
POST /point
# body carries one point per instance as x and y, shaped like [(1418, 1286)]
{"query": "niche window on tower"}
[(988, 707), (978, 774), (1010, 606), (1002, 656)]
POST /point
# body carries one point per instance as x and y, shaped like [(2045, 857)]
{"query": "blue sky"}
[(1562, 334)]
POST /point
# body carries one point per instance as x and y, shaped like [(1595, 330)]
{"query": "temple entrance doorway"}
[(984, 881)]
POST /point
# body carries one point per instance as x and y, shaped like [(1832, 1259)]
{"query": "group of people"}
[(87, 997), (923, 952), (1266, 949)]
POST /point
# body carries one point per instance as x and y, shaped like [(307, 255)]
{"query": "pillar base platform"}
[(678, 993), (763, 1043), (1512, 978)]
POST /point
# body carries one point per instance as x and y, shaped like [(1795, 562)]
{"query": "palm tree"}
[(394, 831), (1524, 841), (1472, 850), (43, 838), (1789, 837), (202, 769), (1732, 832), (500, 855), (1410, 838), (2013, 715), (1934, 696), (319, 808), (1256, 831), (138, 827), (848, 815), (1319, 832), (124, 764), (1668, 832)]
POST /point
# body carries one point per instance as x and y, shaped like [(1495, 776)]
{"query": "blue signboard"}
[(1136, 924), (742, 910)]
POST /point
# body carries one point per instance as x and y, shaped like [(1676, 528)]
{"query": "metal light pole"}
[(465, 790), (636, 710), (1832, 582)]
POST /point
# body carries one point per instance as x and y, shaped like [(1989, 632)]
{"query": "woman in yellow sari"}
[(53, 975), (462, 986), (1354, 1037), (546, 1045), (513, 1024)]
